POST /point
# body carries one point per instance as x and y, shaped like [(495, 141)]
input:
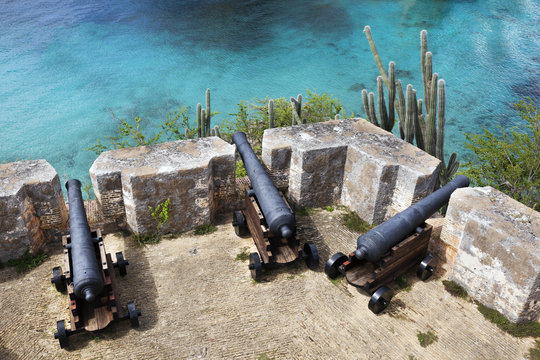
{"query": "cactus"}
[(382, 105), (208, 113), (296, 105), (271, 114), (431, 113), (408, 129), (186, 133), (428, 128), (439, 151), (391, 94), (216, 131), (203, 117), (199, 121)]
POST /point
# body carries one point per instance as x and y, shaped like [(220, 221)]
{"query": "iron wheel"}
[(312, 255), (239, 223), (121, 263), (58, 279), (61, 333), (133, 314), (332, 265), (255, 266), (424, 269), (380, 299)]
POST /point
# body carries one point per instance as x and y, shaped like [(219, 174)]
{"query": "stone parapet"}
[(493, 242), (196, 175), (31, 202), (351, 162)]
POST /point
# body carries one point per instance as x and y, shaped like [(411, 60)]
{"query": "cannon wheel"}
[(312, 255), (121, 263), (58, 280), (61, 333), (133, 314), (380, 299), (239, 223), (255, 266), (332, 265), (424, 269)]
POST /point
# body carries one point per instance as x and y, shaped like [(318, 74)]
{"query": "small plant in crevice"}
[(305, 211), (243, 255), (205, 229), (427, 338), (27, 261), (353, 222), (240, 169), (160, 214), (515, 329), (264, 356), (329, 208), (455, 289), (403, 283), (534, 353)]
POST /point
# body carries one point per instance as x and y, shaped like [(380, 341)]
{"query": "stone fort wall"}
[(489, 243)]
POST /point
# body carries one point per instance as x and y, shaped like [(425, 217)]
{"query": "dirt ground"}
[(198, 302)]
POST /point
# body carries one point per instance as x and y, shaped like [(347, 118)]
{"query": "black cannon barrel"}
[(278, 216), (373, 244), (87, 280)]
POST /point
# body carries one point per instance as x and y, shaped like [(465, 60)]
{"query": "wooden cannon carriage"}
[(88, 276), (268, 218), (387, 251)]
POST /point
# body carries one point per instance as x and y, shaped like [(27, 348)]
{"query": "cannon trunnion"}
[(88, 275), (268, 218), (387, 251)]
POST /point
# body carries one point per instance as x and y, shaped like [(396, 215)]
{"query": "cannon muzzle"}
[(87, 279), (373, 244), (279, 218)]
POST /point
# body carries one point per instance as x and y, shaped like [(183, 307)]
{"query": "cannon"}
[(387, 251), (88, 275), (268, 217)]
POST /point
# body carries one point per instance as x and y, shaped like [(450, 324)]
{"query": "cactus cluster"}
[(296, 105), (203, 119), (428, 129)]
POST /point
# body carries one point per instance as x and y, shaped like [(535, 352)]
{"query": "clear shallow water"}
[(64, 66)]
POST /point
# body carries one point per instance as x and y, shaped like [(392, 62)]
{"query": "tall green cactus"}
[(199, 121), (428, 129), (296, 105), (271, 115), (208, 113)]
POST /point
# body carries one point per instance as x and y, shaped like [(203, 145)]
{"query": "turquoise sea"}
[(65, 66)]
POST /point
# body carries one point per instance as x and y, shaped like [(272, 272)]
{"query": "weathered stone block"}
[(31, 202), (352, 162), (193, 174), (498, 250)]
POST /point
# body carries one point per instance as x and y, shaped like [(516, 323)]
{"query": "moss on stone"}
[(517, 330)]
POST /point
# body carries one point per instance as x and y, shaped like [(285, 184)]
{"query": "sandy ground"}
[(199, 302)]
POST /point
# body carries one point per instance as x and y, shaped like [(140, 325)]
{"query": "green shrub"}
[(27, 261), (133, 133), (509, 162), (427, 338), (534, 353), (353, 222), (455, 289), (161, 215), (243, 255), (205, 229), (240, 169), (517, 330)]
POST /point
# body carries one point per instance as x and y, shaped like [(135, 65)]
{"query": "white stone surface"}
[(351, 162), (497, 241)]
